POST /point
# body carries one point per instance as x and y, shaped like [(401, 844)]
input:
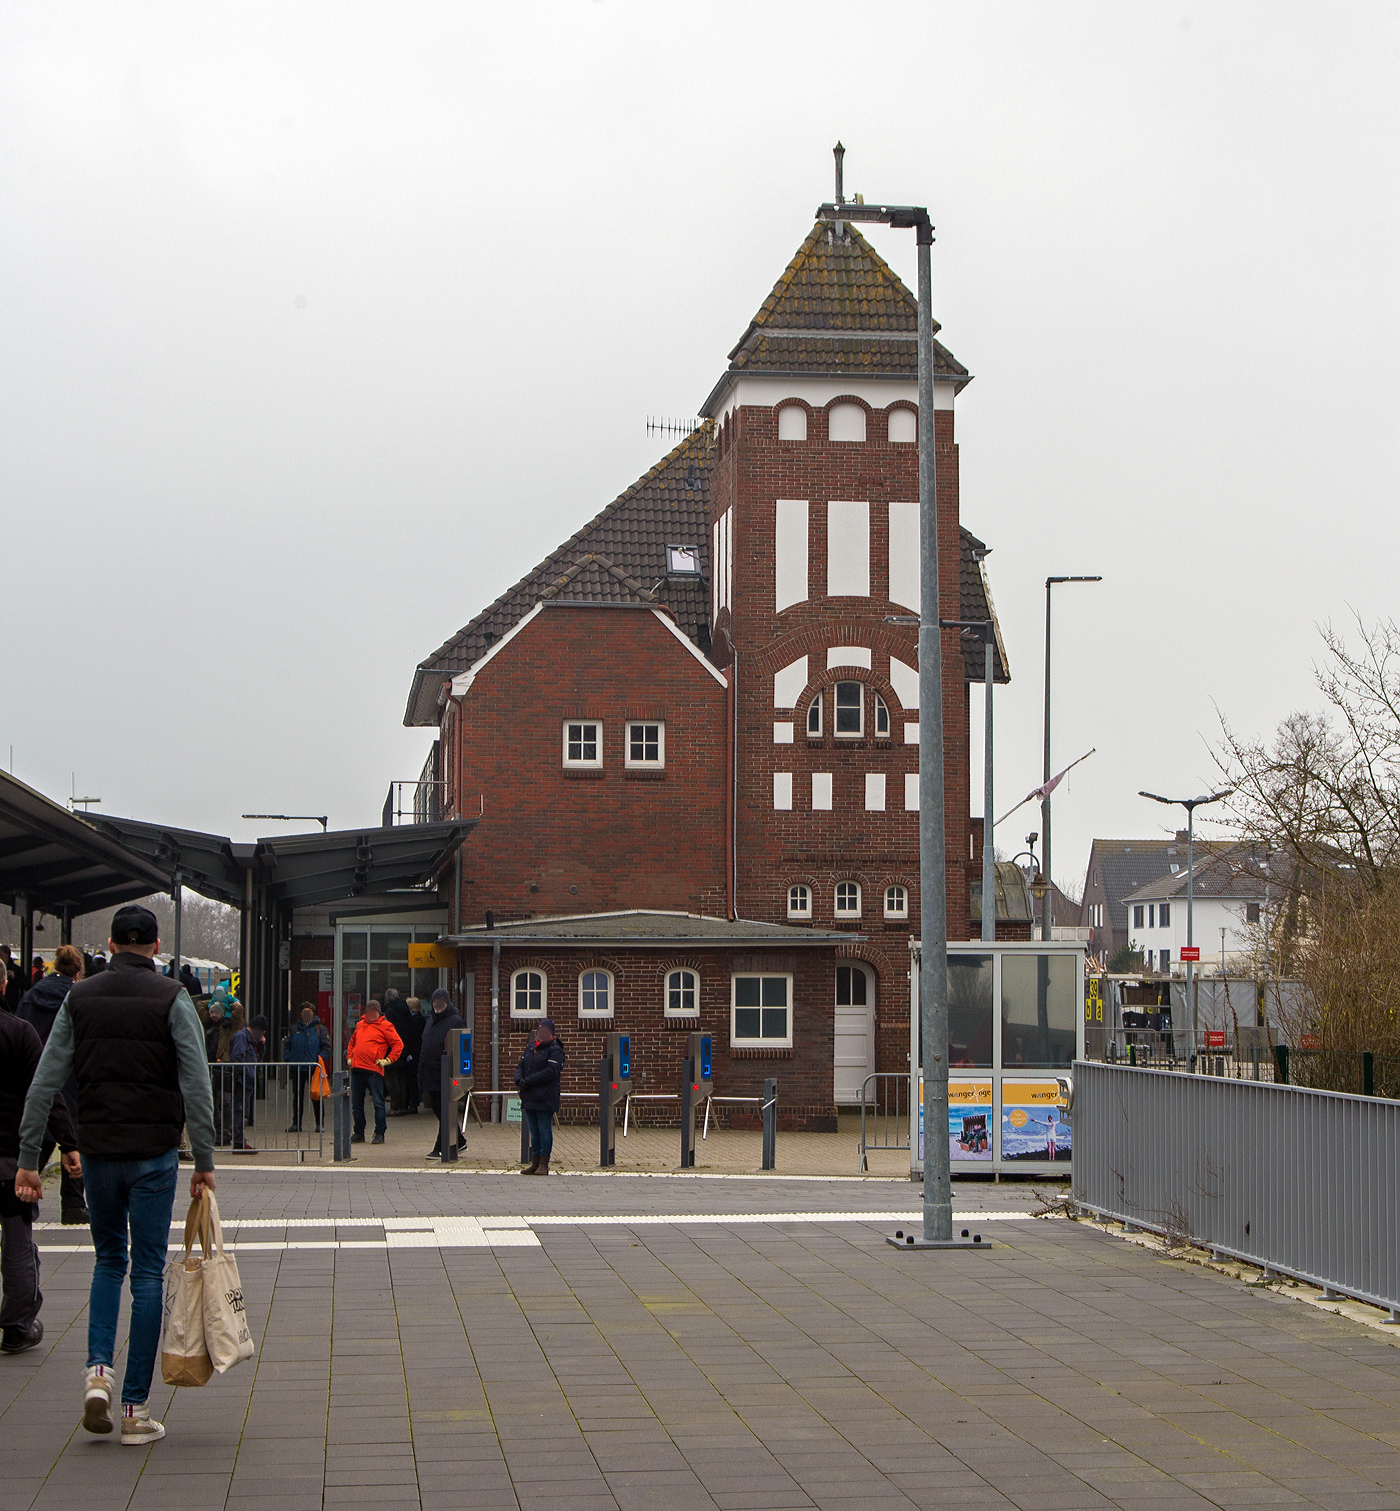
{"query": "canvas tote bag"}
[(184, 1360), (226, 1334)]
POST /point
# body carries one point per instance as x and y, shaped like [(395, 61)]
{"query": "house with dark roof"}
[(1230, 898), (1116, 869), (701, 705)]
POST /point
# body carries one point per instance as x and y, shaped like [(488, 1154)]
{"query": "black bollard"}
[(687, 1115), (770, 1124), (447, 1121)]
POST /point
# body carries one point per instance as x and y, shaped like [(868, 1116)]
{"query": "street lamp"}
[(1190, 804), (933, 886), (294, 818), (1048, 910)]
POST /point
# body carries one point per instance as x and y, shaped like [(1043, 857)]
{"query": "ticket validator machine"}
[(457, 1081), (614, 1084), (696, 1085)]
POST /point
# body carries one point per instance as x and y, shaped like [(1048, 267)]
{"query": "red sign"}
[(1190, 952), (1215, 1038)]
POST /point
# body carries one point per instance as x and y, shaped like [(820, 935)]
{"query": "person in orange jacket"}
[(374, 1044)]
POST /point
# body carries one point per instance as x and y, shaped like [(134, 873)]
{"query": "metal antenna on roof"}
[(839, 153), (663, 425)]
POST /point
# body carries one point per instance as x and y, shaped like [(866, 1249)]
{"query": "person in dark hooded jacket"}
[(403, 1073), (39, 1007), (538, 1076), (434, 1042)]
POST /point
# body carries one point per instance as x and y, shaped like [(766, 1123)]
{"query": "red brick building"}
[(698, 706)]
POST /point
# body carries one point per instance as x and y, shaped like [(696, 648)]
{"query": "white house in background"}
[(1229, 896)]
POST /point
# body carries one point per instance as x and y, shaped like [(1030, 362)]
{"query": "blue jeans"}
[(541, 1126), (138, 1194), (360, 1082)]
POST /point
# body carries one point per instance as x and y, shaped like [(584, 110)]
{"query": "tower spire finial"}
[(839, 153)]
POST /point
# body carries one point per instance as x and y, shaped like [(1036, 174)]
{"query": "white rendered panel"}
[(792, 423), (782, 733), (845, 422), (848, 655), (874, 791), (904, 555), (904, 427), (911, 734), (911, 791), (847, 550), (790, 553), (821, 789), (788, 683), (782, 789), (905, 681)]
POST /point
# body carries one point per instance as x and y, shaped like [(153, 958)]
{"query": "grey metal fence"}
[(267, 1107), (1303, 1183), (884, 1113)]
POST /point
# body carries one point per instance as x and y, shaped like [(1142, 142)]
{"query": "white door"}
[(855, 1032)]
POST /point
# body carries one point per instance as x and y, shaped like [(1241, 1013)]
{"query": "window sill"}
[(644, 774), (583, 773), (585, 1019), (846, 923), (748, 1052), (682, 1020)]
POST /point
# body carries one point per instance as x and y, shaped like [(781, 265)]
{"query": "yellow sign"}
[(1016, 1117), (427, 957), (970, 1093), (1032, 1093)]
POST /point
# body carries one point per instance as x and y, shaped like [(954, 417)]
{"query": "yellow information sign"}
[(427, 957)]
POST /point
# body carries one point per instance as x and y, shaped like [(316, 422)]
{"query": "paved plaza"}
[(458, 1338)]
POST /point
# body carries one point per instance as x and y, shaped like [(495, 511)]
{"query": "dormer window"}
[(850, 710), (682, 561)]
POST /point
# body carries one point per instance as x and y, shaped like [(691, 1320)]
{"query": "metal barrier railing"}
[(267, 1107), (1300, 1182), (886, 1104), (644, 1096)]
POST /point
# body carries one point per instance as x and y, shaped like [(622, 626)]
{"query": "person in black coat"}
[(20, 1327), (39, 1007), (445, 1017), (538, 1076), (402, 1075)]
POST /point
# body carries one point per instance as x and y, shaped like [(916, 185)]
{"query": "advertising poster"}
[(921, 1120), (1033, 1122), (969, 1120)]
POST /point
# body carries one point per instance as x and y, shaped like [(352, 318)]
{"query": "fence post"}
[(1368, 1073), (1281, 1061), (770, 1124)]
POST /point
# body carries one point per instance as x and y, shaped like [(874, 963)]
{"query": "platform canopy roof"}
[(647, 927), (61, 861), (298, 870)]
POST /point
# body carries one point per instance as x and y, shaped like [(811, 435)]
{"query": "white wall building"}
[(1229, 905)]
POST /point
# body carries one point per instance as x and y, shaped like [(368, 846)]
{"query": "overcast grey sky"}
[(322, 323)]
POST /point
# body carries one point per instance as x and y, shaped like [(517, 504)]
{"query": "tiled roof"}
[(976, 605), (619, 556), (839, 310), (1232, 872), (1126, 865)]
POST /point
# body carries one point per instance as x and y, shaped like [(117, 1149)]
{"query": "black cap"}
[(134, 924), (442, 995)]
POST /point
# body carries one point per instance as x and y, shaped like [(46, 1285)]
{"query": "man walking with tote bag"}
[(135, 1041)]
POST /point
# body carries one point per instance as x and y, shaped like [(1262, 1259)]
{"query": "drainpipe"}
[(734, 782), (496, 1111)]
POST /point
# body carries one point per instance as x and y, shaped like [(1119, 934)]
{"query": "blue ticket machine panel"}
[(701, 1054), (619, 1051), (464, 1054)]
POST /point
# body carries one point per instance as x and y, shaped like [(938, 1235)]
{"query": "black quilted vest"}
[(129, 1102)]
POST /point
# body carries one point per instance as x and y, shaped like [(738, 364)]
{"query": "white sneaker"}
[(97, 1398), (139, 1426)]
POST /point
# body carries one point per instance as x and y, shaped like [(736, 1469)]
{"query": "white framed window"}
[(646, 745), (583, 742), (529, 994), (761, 1011), (848, 899), (814, 718), (799, 901), (682, 994), (882, 716), (896, 902), (850, 710), (595, 994)]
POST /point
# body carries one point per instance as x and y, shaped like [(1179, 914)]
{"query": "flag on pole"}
[(1039, 794)]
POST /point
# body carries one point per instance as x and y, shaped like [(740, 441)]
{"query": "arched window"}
[(792, 423), (851, 986), (814, 718), (846, 422), (799, 901), (882, 716), (848, 899), (850, 710), (896, 902), (529, 994), (595, 994), (682, 994)]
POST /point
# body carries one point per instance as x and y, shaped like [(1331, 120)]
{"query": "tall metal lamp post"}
[(933, 924), (1190, 804), (1047, 918)]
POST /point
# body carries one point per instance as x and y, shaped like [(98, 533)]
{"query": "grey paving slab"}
[(631, 1364)]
